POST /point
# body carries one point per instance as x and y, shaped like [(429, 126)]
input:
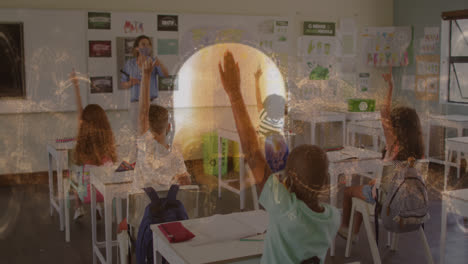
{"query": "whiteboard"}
[(53, 45)]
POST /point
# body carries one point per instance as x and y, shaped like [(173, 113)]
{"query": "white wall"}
[(23, 136)]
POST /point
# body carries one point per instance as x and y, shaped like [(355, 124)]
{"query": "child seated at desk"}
[(300, 228), (157, 163), (403, 137), (95, 144)]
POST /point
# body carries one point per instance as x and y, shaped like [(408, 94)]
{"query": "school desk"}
[(452, 202), (112, 185), (459, 122), (228, 251), (58, 152), (457, 145)]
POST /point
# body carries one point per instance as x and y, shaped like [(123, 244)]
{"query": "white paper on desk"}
[(220, 228)]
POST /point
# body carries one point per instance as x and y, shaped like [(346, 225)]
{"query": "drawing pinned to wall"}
[(364, 78), (133, 27), (281, 30), (168, 23), (99, 20), (266, 27), (383, 46), (318, 69), (430, 42), (168, 83), (168, 46), (100, 48), (101, 84), (427, 77), (316, 46), (12, 63)]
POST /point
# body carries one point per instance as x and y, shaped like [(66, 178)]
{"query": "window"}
[(454, 56)]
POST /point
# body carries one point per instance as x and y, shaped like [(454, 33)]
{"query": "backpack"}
[(405, 207), (160, 210)]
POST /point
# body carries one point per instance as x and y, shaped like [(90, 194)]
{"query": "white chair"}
[(367, 210)]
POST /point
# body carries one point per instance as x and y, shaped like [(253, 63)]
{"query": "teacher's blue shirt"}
[(131, 68)]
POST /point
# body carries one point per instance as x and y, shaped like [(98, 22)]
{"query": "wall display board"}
[(51, 50), (382, 46)]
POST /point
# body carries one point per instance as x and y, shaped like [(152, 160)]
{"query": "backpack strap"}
[(172, 194), (151, 194)]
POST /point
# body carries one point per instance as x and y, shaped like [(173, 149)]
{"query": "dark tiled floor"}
[(28, 234)]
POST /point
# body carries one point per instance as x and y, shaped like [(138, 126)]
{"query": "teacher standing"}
[(131, 76)]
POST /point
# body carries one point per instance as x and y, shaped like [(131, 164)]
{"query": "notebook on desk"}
[(219, 228)]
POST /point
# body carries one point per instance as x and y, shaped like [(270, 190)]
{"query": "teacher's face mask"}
[(145, 51)]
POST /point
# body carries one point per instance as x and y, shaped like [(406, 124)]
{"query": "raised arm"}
[(389, 133), (230, 78), (163, 68), (144, 100), (258, 94), (76, 85)]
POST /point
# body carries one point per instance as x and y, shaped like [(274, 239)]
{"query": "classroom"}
[(267, 131)]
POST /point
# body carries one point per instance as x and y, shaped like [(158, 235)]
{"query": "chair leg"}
[(394, 242), (427, 249), (350, 228), (389, 239), (371, 238)]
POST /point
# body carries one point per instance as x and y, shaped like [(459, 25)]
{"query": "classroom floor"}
[(28, 234)]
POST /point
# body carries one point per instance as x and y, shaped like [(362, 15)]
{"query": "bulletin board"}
[(53, 45)]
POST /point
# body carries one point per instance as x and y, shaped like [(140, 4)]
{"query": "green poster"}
[(319, 28), (168, 46), (99, 20), (167, 83)]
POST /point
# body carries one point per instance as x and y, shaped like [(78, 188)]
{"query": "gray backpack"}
[(405, 207)]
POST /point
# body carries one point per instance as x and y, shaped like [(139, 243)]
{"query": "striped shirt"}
[(269, 126)]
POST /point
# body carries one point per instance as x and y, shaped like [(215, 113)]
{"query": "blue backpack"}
[(160, 210)]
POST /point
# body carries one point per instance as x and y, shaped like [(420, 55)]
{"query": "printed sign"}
[(168, 23), (319, 28), (100, 48), (167, 83), (99, 20), (101, 84)]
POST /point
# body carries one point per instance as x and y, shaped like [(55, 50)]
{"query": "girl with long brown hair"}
[(95, 144)]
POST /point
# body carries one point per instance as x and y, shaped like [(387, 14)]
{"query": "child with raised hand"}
[(300, 228), (95, 144), (157, 163), (271, 110), (403, 137)]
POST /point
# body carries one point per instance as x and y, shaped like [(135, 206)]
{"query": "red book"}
[(175, 232)]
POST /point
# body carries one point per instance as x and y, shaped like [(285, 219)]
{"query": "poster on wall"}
[(101, 84), (364, 78), (133, 26), (281, 30), (319, 28), (316, 46), (168, 46), (430, 42), (168, 23), (427, 77), (99, 20), (12, 73), (100, 48), (383, 46), (167, 83)]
